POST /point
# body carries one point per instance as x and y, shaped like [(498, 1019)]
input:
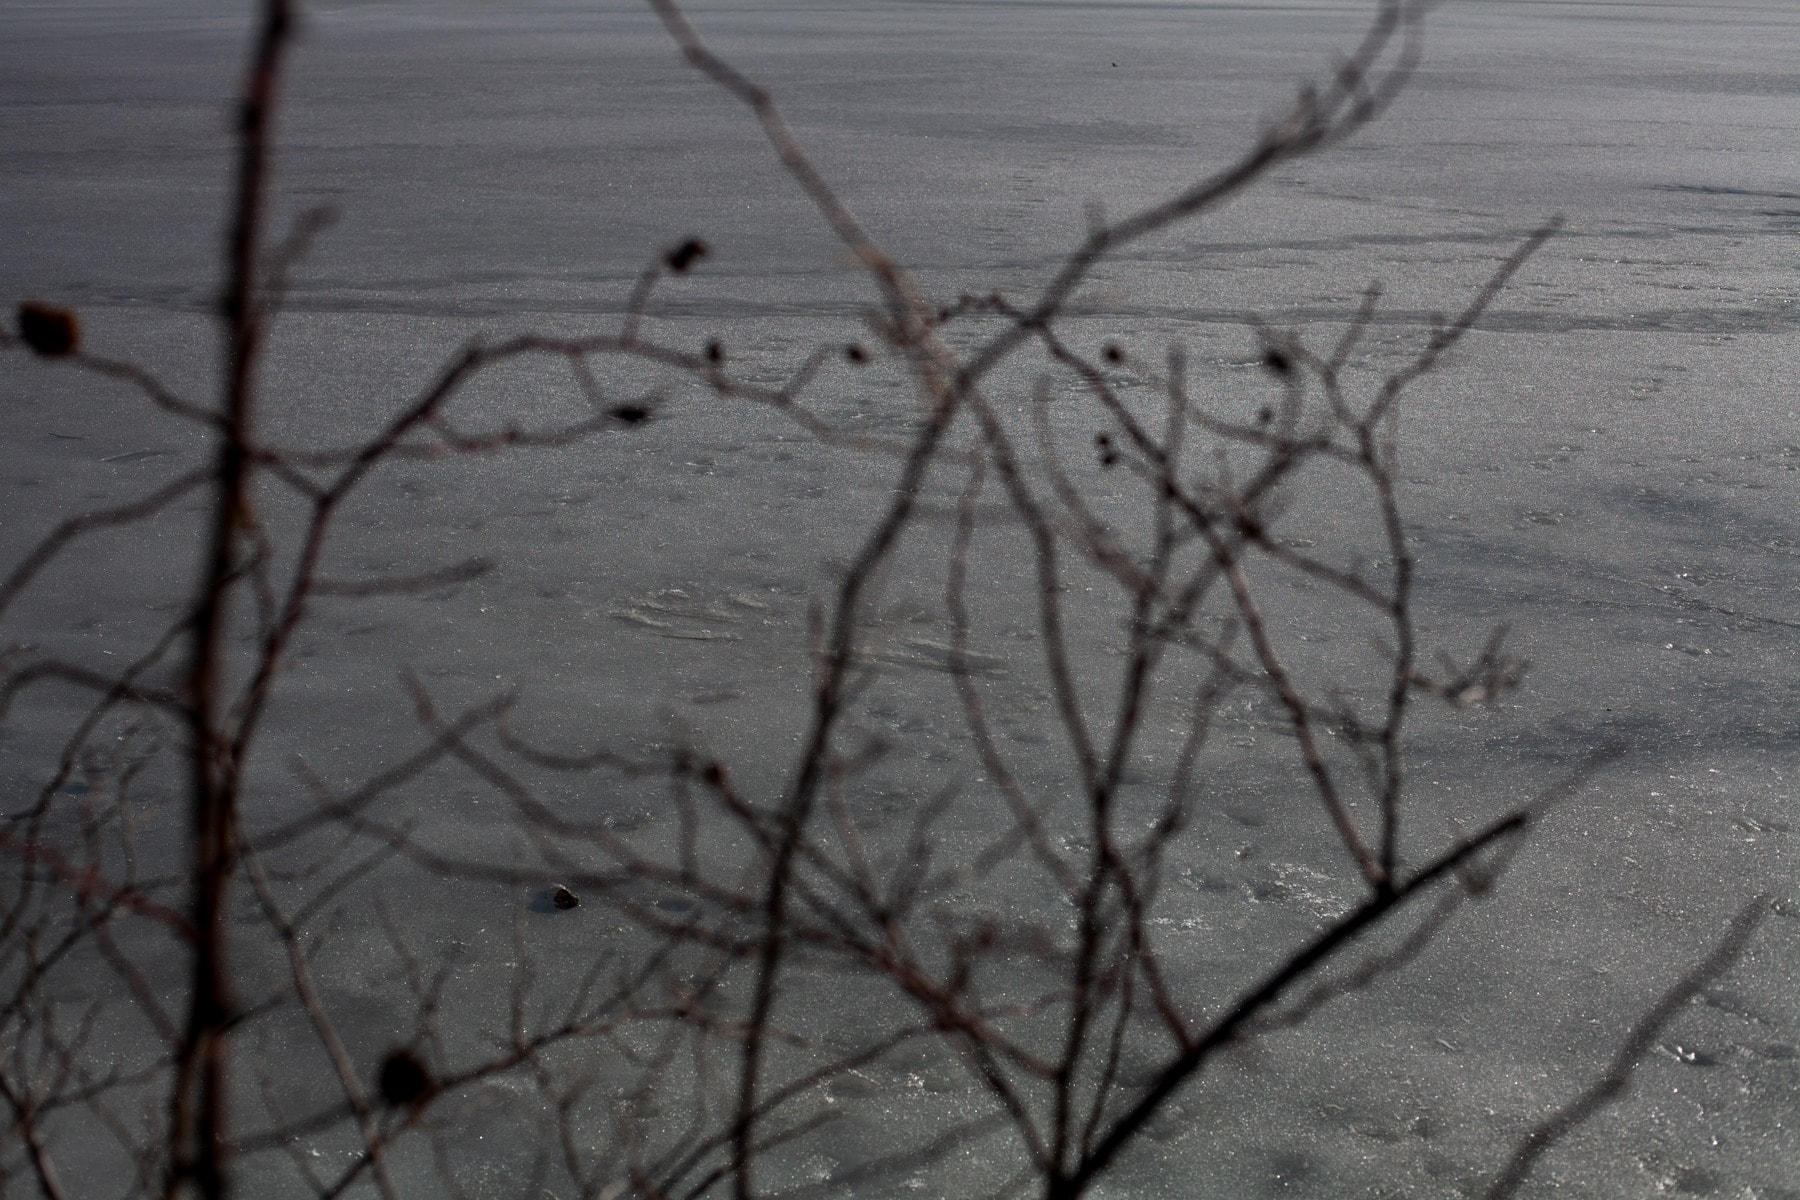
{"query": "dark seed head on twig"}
[(630, 414), (1277, 362), (685, 255), (51, 332), (715, 352), (405, 1079), (563, 898), (856, 353)]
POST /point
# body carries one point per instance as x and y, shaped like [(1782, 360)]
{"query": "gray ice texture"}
[(1609, 465)]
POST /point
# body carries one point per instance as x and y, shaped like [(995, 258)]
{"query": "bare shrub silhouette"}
[(999, 931)]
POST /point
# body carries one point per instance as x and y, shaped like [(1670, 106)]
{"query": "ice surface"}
[(1609, 465)]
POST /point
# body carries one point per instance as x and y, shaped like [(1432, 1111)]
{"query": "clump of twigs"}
[(1009, 932)]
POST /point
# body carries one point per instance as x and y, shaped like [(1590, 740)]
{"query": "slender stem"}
[(200, 1102)]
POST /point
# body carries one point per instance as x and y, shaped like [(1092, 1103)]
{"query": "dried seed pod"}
[(405, 1079), (856, 353), (1277, 362), (685, 255), (563, 898), (51, 332), (630, 414)]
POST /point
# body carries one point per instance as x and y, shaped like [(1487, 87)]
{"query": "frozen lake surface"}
[(1609, 465)]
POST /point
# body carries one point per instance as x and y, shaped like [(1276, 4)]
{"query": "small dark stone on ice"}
[(856, 353), (50, 331), (405, 1079), (715, 353), (1277, 362), (562, 897), (631, 414)]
